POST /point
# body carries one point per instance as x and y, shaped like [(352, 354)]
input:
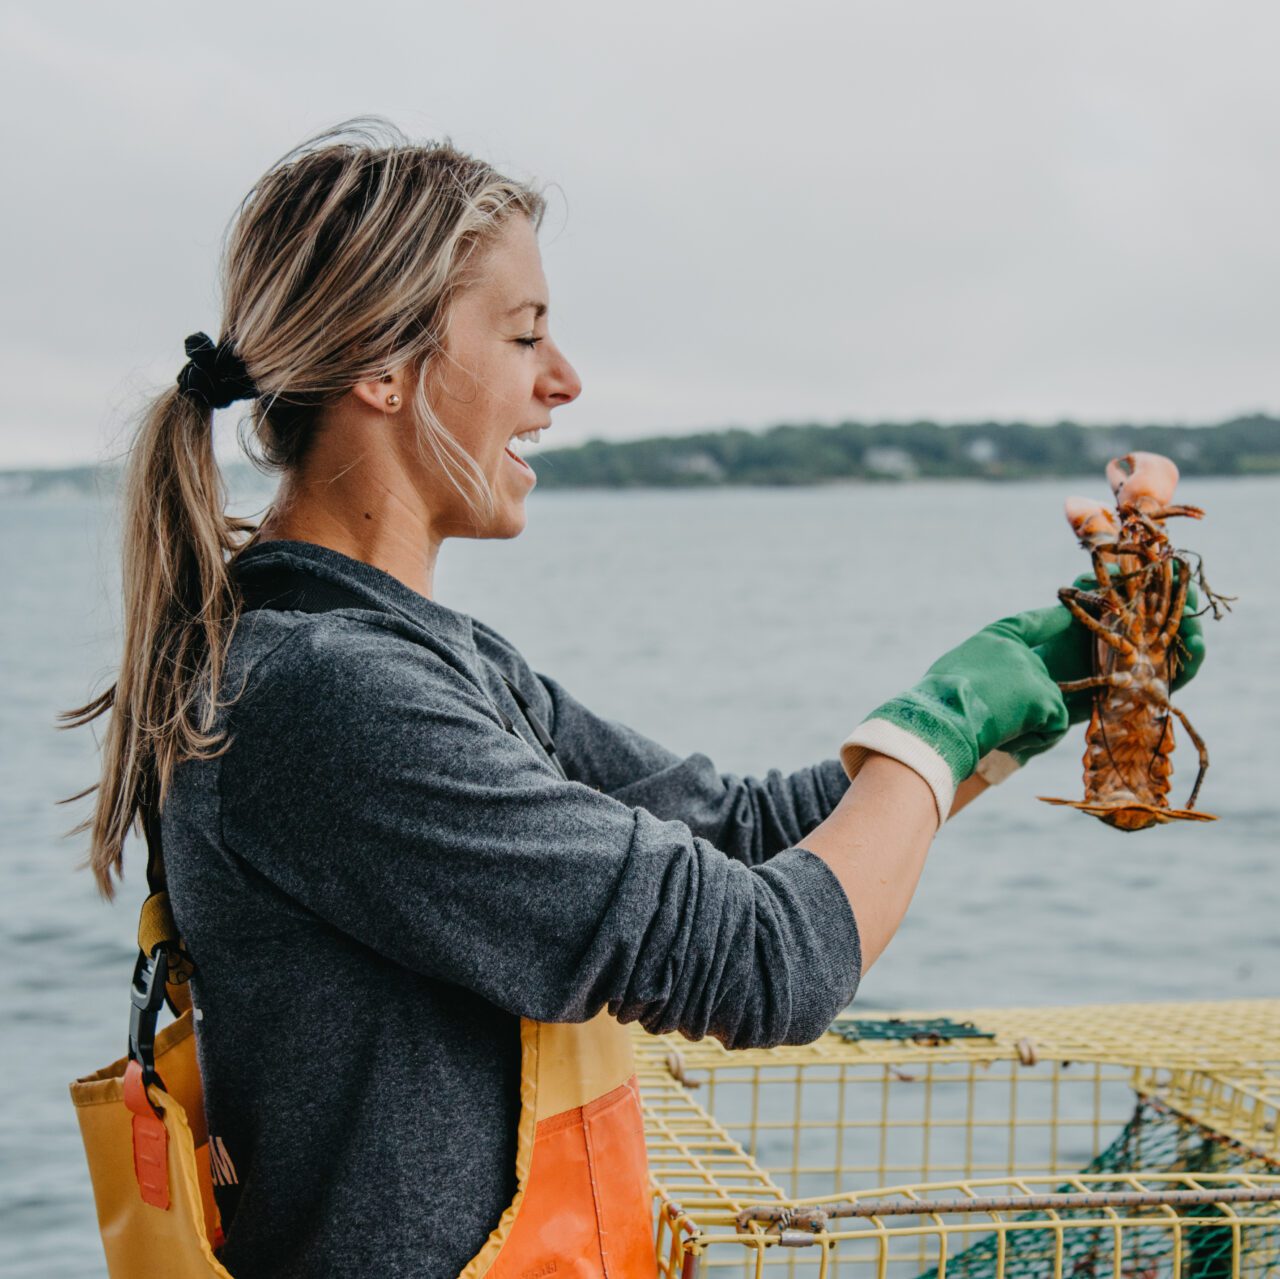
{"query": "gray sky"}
[(761, 211)]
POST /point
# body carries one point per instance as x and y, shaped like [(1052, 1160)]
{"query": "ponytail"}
[(340, 265), (180, 608)]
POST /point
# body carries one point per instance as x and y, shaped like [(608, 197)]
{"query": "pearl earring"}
[(393, 401)]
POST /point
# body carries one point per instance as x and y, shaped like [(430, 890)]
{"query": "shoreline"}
[(80, 482)]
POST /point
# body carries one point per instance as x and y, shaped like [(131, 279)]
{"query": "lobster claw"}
[(1142, 480), (1094, 524)]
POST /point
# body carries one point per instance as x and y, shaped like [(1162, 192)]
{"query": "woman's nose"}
[(563, 383)]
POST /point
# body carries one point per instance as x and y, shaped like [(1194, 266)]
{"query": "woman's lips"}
[(518, 460)]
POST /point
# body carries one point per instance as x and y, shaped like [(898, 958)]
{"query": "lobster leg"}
[(1127, 574), (1106, 586), (1081, 685), (1218, 604), (1168, 622), (1200, 746), (1192, 512), (1070, 597)]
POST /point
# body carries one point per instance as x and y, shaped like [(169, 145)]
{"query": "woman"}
[(420, 883)]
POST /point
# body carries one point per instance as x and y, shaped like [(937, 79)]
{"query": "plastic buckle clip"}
[(146, 996)]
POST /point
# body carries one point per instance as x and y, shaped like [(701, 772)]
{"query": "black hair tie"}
[(214, 374)]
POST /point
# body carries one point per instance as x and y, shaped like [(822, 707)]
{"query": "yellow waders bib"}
[(582, 1203)]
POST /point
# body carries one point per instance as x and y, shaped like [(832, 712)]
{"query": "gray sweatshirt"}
[(377, 880)]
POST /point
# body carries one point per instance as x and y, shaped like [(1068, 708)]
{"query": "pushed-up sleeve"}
[(749, 818), (373, 783)]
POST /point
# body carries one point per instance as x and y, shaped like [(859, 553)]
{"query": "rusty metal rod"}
[(815, 1216)]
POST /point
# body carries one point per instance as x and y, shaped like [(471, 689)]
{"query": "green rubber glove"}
[(1068, 653), (992, 691)]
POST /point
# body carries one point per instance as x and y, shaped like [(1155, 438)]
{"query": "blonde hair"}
[(339, 265)]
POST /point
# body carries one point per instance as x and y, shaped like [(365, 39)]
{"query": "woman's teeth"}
[(519, 443)]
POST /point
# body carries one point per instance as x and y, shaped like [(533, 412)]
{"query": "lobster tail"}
[(1131, 815)]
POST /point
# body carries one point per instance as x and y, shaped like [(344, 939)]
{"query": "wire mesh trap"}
[(1131, 1141)]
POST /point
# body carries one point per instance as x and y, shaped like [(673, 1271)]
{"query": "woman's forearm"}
[(876, 841)]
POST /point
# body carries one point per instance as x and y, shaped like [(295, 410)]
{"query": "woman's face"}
[(500, 376)]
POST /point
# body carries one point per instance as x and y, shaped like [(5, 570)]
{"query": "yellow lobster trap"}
[(1112, 1142)]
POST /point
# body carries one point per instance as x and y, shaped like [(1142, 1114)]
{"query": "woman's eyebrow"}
[(539, 308)]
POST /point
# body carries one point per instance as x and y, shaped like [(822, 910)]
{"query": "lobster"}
[(1134, 612)]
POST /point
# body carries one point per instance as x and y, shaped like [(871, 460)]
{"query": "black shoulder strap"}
[(163, 968), (295, 590)]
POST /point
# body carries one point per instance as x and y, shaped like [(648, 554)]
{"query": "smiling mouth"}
[(521, 439)]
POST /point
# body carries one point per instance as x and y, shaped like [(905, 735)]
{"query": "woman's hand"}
[(992, 692)]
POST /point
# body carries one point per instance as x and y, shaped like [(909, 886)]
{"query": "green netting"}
[(1154, 1140)]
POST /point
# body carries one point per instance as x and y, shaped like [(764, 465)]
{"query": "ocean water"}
[(757, 626)]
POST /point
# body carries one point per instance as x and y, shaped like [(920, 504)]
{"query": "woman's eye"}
[(529, 342)]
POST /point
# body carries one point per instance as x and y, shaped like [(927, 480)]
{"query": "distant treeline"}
[(815, 454)]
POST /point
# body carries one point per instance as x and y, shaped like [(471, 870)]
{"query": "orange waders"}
[(582, 1202)]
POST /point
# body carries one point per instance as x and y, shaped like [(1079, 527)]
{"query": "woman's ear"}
[(385, 394)]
